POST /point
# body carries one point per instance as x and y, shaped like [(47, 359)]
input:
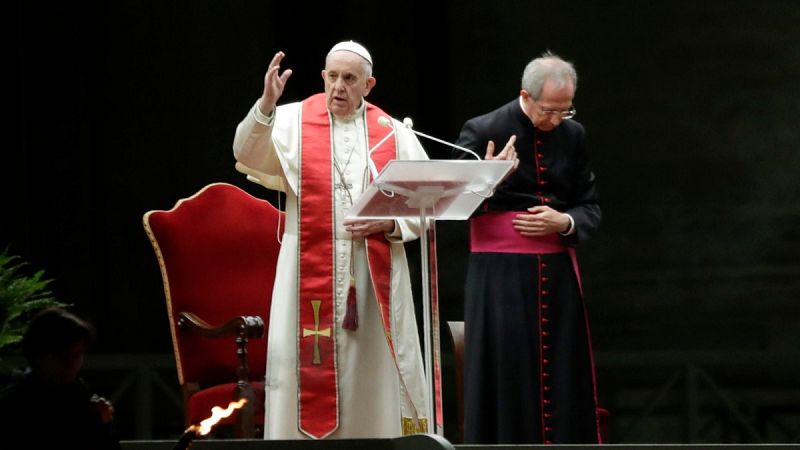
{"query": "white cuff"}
[(396, 235), (571, 229), (261, 118)]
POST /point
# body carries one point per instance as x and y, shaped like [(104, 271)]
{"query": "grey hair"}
[(549, 66), (367, 68)]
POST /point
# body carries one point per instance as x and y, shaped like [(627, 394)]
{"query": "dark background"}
[(691, 110)]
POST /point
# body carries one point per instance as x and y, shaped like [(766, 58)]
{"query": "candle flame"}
[(217, 414)]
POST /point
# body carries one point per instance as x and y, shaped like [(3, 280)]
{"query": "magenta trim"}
[(594, 372)]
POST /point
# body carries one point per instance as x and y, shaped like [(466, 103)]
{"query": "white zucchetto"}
[(354, 47)]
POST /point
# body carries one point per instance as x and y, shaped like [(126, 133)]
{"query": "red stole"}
[(318, 409)]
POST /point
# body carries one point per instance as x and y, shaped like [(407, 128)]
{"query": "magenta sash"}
[(493, 232)]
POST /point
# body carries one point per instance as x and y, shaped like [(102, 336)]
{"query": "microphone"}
[(384, 122), (409, 124)]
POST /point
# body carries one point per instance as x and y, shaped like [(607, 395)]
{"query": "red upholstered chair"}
[(217, 251)]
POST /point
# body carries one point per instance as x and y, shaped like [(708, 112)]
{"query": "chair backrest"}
[(217, 251)]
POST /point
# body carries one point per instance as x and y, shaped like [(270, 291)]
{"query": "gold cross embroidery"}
[(316, 332)]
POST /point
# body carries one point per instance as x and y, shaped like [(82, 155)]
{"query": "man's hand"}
[(104, 408), (273, 84), (540, 221), (509, 153), (362, 228)]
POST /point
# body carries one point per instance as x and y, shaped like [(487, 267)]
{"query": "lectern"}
[(430, 190)]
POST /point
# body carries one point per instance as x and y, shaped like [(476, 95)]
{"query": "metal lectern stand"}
[(430, 190)]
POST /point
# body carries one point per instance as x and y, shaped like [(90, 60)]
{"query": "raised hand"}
[(509, 153), (273, 84)]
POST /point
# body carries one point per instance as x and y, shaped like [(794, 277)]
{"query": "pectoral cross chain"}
[(343, 186)]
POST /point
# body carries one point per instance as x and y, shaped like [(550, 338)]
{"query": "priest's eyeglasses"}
[(564, 114)]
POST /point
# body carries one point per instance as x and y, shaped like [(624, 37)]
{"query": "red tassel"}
[(350, 321)]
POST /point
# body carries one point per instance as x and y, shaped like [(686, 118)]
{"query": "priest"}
[(529, 370)]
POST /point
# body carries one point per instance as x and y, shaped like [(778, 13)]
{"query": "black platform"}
[(414, 442), (421, 442)]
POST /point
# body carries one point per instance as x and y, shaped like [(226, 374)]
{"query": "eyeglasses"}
[(568, 114)]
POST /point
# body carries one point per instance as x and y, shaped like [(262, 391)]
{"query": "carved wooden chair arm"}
[(241, 328), (250, 327)]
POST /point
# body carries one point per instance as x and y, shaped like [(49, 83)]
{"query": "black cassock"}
[(529, 374)]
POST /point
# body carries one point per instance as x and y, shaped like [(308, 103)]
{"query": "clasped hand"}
[(540, 220), (103, 407)]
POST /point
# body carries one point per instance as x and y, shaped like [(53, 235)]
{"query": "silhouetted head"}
[(55, 344)]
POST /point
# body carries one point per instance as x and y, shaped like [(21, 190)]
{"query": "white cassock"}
[(376, 396)]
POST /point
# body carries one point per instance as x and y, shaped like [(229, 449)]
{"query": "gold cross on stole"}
[(316, 332)]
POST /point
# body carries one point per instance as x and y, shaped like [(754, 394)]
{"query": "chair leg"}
[(245, 428), (245, 425), (456, 329)]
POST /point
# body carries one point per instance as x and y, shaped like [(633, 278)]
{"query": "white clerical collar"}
[(357, 113)]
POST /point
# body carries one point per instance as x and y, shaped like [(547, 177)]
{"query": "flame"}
[(217, 414)]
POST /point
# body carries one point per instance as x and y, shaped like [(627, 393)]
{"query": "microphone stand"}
[(409, 124)]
